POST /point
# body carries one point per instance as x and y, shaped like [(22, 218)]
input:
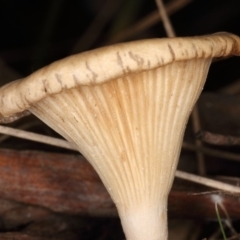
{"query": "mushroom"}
[(125, 107)]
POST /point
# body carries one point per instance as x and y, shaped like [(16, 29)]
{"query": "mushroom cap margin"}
[(110, 62)]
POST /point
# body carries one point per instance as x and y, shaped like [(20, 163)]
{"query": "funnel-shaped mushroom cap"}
[(125, 107)]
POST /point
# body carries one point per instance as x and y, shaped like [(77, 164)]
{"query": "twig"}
[(207, 182), (212, 152), (37, 137), (231, 194), (196, 128), (166, 22), (218, 139), (26, 125)]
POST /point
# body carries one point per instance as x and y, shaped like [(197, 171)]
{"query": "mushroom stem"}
[(147, 222)]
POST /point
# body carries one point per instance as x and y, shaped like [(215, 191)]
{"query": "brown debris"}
[(62, 183), (66, 183)]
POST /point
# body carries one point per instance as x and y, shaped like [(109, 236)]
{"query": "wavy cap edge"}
[(103, 64)]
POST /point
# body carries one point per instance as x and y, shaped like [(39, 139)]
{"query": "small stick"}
[(219, 192), (37, 137), (24, 126), (166, 22), (196, 123), (218, 139), (207, 182), (212, 152)]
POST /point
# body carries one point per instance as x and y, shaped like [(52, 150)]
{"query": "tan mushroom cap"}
[(106, 63)]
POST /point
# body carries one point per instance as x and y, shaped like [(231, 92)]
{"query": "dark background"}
[(36, 32)]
